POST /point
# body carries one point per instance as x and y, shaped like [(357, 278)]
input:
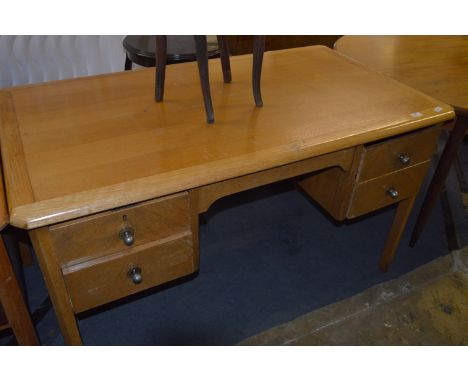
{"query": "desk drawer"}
[(99, 235), (109, 278), (374, 194), (398, 153)]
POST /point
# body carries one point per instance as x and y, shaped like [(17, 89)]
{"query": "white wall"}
[(31, 59)]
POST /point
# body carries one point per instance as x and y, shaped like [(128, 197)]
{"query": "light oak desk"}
[(436, 65), (110, 183)]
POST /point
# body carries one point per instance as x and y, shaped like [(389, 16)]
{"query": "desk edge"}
[(51, 211)]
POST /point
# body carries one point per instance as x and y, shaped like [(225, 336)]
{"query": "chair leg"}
[(225, 62), (202, 60), (258, 50), (128, 63), (441, 172), (160, 58)]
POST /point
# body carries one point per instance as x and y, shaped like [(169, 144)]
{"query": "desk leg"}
[(56, 286), (399, 223), (195, 225), (13, 302), (441, 172)]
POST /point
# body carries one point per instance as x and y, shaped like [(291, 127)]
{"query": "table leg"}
[(13, 302), (441, 172), (56, 286), (399, 223)]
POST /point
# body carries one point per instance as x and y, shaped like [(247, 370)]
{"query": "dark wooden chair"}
[(140, 50), (202, 60)]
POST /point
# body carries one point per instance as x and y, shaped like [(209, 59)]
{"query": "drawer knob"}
[(135, 274), (393, 193), (404, 159), (127, 235)]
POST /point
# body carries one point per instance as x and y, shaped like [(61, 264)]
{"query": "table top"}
[(74, 147), (436, 65)]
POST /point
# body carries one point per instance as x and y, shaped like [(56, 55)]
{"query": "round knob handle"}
[(405, 159), (127, 235), (393, 193), (135, 274)]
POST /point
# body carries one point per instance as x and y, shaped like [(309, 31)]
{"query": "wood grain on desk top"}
[(75, 147), (436, 65)]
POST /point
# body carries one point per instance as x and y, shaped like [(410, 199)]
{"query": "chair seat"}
[(141, 49)]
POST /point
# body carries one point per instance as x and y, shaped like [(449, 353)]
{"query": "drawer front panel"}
[(101, 281), (398, 153), (376, 193), (95, 236)]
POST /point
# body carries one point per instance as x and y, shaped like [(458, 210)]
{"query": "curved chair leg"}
[(160, 58), (225, 62), (202, 60), (258, 50), (128, 63)]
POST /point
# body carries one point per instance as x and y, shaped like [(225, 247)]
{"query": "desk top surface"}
[(436, 65), (74, 147)]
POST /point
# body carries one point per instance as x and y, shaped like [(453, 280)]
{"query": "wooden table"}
[(110, 184), (436, 65)]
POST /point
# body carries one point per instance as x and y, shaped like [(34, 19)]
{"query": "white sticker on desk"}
[(438, 109), (416, 114)]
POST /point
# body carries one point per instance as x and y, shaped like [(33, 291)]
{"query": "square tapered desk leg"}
[(56, 286), (438, 180), (398, 226), (13, 302)]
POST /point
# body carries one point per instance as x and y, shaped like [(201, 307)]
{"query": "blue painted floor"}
[(268, 256)]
